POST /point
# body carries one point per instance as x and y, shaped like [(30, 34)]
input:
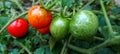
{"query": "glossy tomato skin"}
[(59, 27), (45, 30), (84, 24), (18, 28), (38, 17)]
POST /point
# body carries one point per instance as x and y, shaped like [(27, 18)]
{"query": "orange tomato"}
[(38, 17), (45, 30)]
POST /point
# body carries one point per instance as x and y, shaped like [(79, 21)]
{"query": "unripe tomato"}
[(84, 24), (59, 27), (18, 28), (45, 30), (38, 17)]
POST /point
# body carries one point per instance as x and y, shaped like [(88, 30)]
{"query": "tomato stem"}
[(48, 1), (73, 11), (24, 47), (11, 20), (64, 11), (99, 12), (78, 49), (64, 47), (98, 38), (40, 36), (18, 4), (107, 19), (41, 3), (50, 6), (33, 2), (104, 44), (107, 42), (21, 51), (87, 4)]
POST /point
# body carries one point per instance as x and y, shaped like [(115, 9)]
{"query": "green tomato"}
[(84, 24), (59, 27)]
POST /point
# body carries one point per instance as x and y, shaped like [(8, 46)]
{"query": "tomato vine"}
[(67, 11)]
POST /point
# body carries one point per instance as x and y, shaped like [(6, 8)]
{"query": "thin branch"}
[(18, 4), (107, 19), (78, 49), (64, 47), (24, 47), (10, 21), (87, 4), (104, 44)]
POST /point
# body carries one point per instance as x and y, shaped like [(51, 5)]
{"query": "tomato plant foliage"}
[(62, 28)]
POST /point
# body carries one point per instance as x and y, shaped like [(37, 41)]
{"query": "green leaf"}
[(88, 8), (116, 47), (58, 1), (39, 50), (67, 3), (48, 51), (57, 48), (104, 31), (8, 4), (107, 0), (2, 47), (105, 51), (14, 51), (3, 19)]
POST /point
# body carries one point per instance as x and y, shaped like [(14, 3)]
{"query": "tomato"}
[(38, 17), (18, 28), (84, 24), (59, 27), (45, 30)]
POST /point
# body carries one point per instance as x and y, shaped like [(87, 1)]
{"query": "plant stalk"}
[(10, 21), (19, 5), (107, 19), (87, 4), (24, 47), (104, 44), (33, 2), (64, 47), (41, 3), (80, 50)]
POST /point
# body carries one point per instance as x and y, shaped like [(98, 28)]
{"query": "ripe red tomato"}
[(18, 28), (45, 30), (38, 17)]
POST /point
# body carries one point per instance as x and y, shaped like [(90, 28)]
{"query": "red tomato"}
[(45, 30), (38, 17), (18, 28)]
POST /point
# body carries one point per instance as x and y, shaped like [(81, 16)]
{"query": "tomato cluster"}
[(40, 18), (83, 25)]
